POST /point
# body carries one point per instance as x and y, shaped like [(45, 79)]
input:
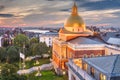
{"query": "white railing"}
[(85, 75), (114, 47), (86, 45), (81, 72)]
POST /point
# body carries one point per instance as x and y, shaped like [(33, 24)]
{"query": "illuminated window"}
[(85, 66), (92, 71), (73, 30), (63, 65), (102, 77)]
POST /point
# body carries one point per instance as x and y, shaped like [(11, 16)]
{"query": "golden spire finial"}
[(74, 9)]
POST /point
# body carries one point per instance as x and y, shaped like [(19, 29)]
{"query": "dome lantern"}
[(74, 23), (74, 9)]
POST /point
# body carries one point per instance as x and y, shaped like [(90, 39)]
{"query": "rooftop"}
[(111, 38), (109, 65), (84, 40), (37, 31)]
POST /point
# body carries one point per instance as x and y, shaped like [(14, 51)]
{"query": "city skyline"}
[(53, 13)]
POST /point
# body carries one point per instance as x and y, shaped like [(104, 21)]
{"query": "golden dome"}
[(74, 21)]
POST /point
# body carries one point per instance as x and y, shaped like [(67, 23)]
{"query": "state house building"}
[(75, 41)]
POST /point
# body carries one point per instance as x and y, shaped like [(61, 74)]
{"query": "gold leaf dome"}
[(75, 23)]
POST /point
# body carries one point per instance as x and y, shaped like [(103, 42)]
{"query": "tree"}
[(9, 72), (5, 42), (2, 53), (20, 40), (12, 54), (44, 48), (7, 69), (39, 48), (34, 40)]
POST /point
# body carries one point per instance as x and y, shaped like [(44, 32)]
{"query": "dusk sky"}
[(53, 13)]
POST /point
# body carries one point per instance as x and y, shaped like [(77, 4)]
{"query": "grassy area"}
[(30, 64), (47, 75)]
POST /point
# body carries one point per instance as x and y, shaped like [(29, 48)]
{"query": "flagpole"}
[(24, 57), (19, 60)]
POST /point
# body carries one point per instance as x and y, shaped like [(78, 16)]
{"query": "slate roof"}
[(115, 41), (108, 37), (84, 40), (109, 65)]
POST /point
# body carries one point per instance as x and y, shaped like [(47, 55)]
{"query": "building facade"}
[(98, 68), (48, 38), (74, 41)]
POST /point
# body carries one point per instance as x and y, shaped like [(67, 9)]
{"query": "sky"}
[(53, 13)]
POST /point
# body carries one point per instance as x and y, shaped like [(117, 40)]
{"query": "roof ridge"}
[(114, 63)]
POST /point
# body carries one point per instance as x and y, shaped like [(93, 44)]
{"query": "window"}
[(73, 30), (44, 39), (49, 42), (92, 71), (92, 55), (85, 66), (85, 56), (102, 76), (100, 55), (73, 78)]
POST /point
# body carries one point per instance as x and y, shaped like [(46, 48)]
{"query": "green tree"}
[(8, 69), (20, 40), (44, 48), (2, 53), (5, 42), (39, 48), (34, 40), (9, 72), (12, 54)]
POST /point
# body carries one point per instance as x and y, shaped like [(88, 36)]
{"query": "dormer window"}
[(92, 72), (85, 66), (102, 77)]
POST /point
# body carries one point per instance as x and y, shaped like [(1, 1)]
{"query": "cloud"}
[(6, 15), (2, 7), (100, 4), (54, 12)]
